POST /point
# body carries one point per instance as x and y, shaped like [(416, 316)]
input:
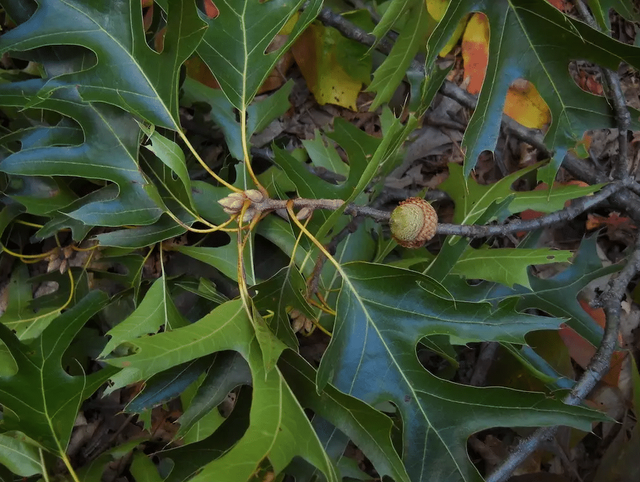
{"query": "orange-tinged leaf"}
[(147, 3), (475, 51), (561, 5), (277, 77), (210, 9), (581, 350), (588, 83), (525, 105), (158, 41), (613, 221), (198, 70), (148, 17), (581, 149)]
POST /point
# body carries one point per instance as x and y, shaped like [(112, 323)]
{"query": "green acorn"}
[(413, 223)]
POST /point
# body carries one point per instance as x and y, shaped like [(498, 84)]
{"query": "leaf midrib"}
[(347, 281)]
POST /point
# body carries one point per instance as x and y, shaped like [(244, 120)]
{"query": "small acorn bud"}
[(413, 223), (299, 322), (249, 214), (254, 195), (232, 204)]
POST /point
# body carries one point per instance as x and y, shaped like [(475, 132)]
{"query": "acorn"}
[(413, 223)]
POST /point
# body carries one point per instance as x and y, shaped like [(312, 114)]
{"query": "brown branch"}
[(577, 207), (233, 205)]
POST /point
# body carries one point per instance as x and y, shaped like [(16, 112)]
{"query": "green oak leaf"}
[(235, 45), (19, 315), (507, 266), (369, 429), (167, 385), (156, 310), (410, 39), (383, 313), (260, 113), (40, 195), (109, 152), (358, 145), (41, 399), (279, 429), (127, 73), (472, 200), (94, 470), (600, 10), (187, 460), (558, 295), (18, 455), (143, 469), (228, 371), (283, 291), (172, 157)]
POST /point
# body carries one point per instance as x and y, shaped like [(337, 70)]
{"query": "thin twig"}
[(307, 206), (577, 207), (483, 363), (626, 200)]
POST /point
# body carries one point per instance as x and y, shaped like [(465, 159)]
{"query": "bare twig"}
[(577, 207), (483, 363), (626, 199), (307, 206)]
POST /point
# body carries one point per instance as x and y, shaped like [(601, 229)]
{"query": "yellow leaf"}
[(288, 27), (437, 9), (525, 105), (315, 53), (523, 102)]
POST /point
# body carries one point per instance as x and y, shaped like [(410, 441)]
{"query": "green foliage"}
[(94, 157), (41, 399)]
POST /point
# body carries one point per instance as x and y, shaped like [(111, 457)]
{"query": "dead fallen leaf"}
[(581, 351)]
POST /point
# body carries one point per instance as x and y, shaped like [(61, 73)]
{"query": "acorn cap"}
[(413, 223)]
